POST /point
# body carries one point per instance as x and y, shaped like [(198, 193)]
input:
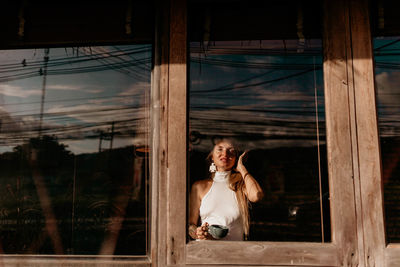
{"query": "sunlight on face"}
[(224, 156)]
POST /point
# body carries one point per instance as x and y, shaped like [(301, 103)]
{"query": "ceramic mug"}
[(218, 231)]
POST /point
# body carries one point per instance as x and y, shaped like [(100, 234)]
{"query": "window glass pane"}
[(387, 59), (74, 150), (386, 45), (260, 84)]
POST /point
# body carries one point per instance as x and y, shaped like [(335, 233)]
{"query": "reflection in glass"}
[(387, 79), (74, 150), (268, 96)]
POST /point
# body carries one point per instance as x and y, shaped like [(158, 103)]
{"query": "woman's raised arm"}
[(253, 190)]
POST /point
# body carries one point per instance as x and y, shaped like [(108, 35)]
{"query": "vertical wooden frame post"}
[(171, 49), (177, 124), (159, 124), (371, 209), (339, 138)]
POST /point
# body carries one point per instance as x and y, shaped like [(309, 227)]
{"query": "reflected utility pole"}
[(111, 136), (72, 246), (107, 137), (101, 139), (44, 73)]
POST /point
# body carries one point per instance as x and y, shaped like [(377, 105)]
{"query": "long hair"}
[(237, 184)]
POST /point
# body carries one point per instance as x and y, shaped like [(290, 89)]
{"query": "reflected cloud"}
[(136, 89), (387, 88), (64, 87), (18, 91), (70, 87), (260, 125), (8, 124), (94, 91), (98, 113)]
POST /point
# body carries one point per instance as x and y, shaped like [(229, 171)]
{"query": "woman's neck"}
[(221, 175)]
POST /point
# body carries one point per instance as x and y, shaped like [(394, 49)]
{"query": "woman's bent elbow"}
[(256, 197)]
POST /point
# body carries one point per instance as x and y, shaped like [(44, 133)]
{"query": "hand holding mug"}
[(202, 232)]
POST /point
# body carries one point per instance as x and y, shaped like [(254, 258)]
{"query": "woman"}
[(223, 198)]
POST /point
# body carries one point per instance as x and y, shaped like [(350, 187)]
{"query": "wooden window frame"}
[(344, 171), (370, 211)]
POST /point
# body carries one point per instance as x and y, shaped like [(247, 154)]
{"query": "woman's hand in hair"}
[(240, 166), (253, 190)]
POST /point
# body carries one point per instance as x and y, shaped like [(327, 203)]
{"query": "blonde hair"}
[(236, 184)]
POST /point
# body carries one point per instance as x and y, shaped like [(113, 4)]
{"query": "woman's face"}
[(224, 156)]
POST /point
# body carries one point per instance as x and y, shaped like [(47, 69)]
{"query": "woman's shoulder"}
[(202, 185)]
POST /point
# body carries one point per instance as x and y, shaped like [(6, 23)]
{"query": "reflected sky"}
[(262, 91), (88, 92)]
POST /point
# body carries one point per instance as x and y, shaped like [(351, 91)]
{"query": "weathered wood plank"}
[(240, 265), (263, 253), (234, 265), (392, 255), (159, 138), (338, 125), (353, 121), (65, 261), (367, 135), (177, 121), (163, 49)]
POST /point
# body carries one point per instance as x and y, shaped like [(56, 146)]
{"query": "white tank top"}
[(220, 206)]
